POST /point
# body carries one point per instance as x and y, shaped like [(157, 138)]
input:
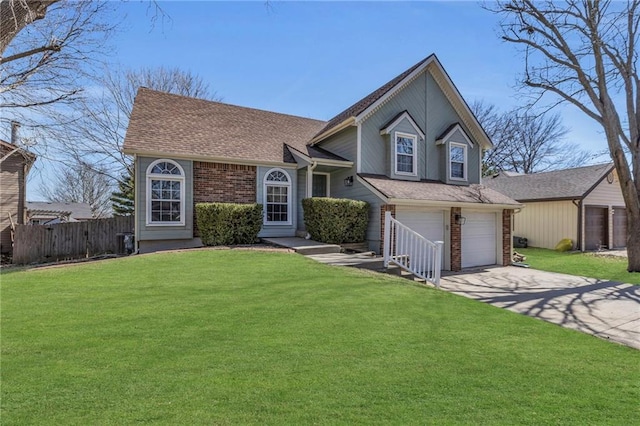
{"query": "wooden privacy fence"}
[(50, 243)]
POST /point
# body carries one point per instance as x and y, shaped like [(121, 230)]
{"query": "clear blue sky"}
[(314, 59)]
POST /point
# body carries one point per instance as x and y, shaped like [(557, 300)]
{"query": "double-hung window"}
[(405, 154), (165, 193), (277, 197), (457, 161)]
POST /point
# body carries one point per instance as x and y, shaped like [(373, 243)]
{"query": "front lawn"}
[(247, 337), (582, 264)]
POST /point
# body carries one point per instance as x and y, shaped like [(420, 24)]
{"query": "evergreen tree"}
[(122, 199)]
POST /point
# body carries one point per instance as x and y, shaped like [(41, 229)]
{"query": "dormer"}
[(459, 156), (405, 144)]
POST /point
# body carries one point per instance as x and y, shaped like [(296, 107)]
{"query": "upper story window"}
[(277, 197), (165, 193), (457, 161), (405, 154)]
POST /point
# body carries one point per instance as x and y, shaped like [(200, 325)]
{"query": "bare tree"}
[(525, 142), (45, 62), (81, 183), (585, 52)]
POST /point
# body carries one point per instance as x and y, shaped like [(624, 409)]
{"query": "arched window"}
[(165, 193), (277, 197)]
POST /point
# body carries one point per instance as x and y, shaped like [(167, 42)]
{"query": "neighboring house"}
[(15, 164), (584, 204), (411, 147), (49, 213)]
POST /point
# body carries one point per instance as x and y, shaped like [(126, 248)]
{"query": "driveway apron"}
[(606, 309)]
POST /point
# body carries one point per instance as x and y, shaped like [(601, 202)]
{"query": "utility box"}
[(520, 242)]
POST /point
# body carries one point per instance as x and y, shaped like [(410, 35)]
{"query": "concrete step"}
[(357, 260), (396, 270), (319, 249)]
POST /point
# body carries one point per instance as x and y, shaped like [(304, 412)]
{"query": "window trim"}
[(288, 185), (414, 138), (176, 178), (465, 160)]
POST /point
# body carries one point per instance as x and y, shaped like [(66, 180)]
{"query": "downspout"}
[(310, 168), (136, 204), (579, 239)]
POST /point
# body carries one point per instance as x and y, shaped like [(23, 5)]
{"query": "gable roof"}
[(429, 192), (568, 184), (168, 124), (361, 108)]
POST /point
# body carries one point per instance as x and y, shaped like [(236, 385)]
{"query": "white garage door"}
[(478, 239), (429, 224)]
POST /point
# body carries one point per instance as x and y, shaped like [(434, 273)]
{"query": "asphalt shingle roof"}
[(560, 184), (436, 191), (182, 126), (369, 100)]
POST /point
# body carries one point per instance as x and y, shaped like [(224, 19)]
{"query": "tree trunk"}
[(633, 243), (17, 14)]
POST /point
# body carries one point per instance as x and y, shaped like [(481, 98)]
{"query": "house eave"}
[(210, 159), (437, 203), (351, 121)]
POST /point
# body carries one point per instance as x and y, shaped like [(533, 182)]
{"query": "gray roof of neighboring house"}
[(436, 191), (556, 185), (79, 211), (195, 128)]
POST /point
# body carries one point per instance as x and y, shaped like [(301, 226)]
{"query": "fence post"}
[(437, 268), (387, 238)]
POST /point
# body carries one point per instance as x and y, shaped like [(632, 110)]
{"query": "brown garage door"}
[(619, 227), (596, 228)]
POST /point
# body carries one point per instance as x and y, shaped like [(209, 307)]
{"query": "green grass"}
[(582, 264), (247, 337)]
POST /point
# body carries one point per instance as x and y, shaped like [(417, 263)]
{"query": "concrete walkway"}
[(605, 309)]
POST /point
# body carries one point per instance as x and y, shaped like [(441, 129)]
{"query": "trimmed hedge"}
[(227, 223), (336, 220)]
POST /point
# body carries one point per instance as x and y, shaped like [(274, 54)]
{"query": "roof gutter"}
[(206, 158), (438, 203)]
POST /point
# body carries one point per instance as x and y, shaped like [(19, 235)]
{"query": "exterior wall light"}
[(459, 219), (348, 181)]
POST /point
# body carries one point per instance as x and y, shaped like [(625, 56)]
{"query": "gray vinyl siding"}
[(433, 113), (279, 230), (145, 232), (301, 194), (343, 143), (359, 192)]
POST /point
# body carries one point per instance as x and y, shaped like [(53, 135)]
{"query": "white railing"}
[(411, 251)]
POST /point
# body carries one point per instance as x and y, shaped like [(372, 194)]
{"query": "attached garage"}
[(479, 239)]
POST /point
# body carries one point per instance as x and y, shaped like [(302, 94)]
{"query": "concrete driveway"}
[(605, 309)]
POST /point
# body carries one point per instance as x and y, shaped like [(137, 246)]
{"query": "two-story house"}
[(412, 147)]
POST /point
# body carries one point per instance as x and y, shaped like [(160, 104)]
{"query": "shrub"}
[(226, 223), (336, 221), (564, 245)]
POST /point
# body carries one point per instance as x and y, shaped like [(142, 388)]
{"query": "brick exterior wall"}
[(223, 183), (383, 209), (456, 240), (506, 237)]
